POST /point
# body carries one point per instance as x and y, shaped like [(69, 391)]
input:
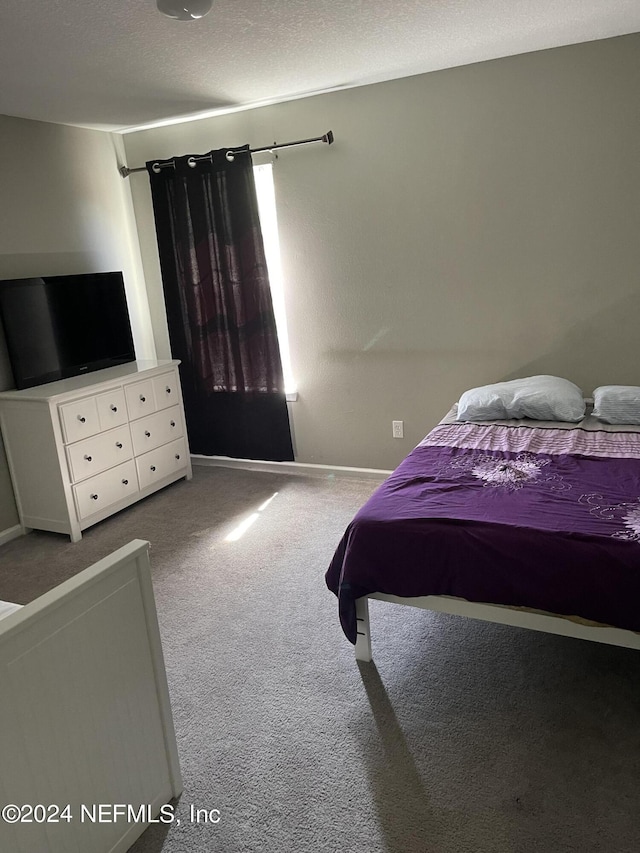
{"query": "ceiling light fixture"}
[(184, 10)]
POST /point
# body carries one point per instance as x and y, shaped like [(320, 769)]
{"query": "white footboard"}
[(85, 717)]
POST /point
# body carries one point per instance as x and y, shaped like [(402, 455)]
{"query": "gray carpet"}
[(463, 736)]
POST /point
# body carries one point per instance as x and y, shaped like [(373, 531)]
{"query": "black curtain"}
[(219, 307)]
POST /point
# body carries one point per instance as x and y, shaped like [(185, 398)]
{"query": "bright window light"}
[(242, 528), (267, 502), (239, 531), (269, 222)]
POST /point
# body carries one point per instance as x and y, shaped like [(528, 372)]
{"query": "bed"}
[(85, 717), (520, 522)]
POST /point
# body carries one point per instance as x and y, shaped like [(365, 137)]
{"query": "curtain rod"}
[(125, 171)]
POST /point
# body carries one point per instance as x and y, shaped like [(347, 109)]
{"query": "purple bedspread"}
[(517, 515)]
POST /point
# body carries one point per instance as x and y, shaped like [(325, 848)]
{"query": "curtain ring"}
[(230, 156), (191, 161), (157, 168)]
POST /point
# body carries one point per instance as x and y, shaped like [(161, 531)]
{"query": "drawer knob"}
[(94, 497), (88, 458), (173, 423), (125, 482), (153, 467), (143, 399), (119, 445), (168, 390), (147, 433), (114, 408), (177, 456), (81, 419)]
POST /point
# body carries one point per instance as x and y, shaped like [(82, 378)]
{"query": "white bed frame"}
[(84, 708), (491, 613)]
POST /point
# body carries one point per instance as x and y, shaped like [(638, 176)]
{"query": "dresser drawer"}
[(101, 491), (157, 429), (79, 419), (162, 462), (166, 391), (112, 409), (99, 452), (140, 399)]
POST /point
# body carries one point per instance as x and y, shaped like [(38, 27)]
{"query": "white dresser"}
[(84, 448)]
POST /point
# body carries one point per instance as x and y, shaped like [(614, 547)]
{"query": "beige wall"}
[(467, 226), (64, 209)]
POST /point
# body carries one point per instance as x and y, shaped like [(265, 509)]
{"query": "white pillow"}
[(617, 404), (542, 398)]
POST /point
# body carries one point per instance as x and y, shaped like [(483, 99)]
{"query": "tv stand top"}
[(93, 380)]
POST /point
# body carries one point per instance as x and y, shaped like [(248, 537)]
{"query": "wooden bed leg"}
[(363, 640)]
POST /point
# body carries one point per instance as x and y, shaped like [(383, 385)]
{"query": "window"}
[(269, 223)]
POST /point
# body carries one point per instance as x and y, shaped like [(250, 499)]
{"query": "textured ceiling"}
[(117, 64)]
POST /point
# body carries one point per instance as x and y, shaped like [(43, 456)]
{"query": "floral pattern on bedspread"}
[(627, 513), (504, 473), (491, 513), (509, 473)]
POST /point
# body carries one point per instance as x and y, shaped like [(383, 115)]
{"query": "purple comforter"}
[(518, 515)]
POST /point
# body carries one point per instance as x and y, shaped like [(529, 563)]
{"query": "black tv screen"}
[(65, 325)]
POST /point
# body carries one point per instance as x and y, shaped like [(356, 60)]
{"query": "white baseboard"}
[(306, 469), (11, 533)]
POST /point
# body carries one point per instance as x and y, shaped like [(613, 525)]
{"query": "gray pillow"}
[(617, 404), (542, 398)]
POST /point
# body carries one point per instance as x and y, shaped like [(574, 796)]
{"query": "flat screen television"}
[(65, 325)]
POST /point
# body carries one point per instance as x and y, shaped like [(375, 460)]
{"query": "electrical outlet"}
[(398, 429)]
